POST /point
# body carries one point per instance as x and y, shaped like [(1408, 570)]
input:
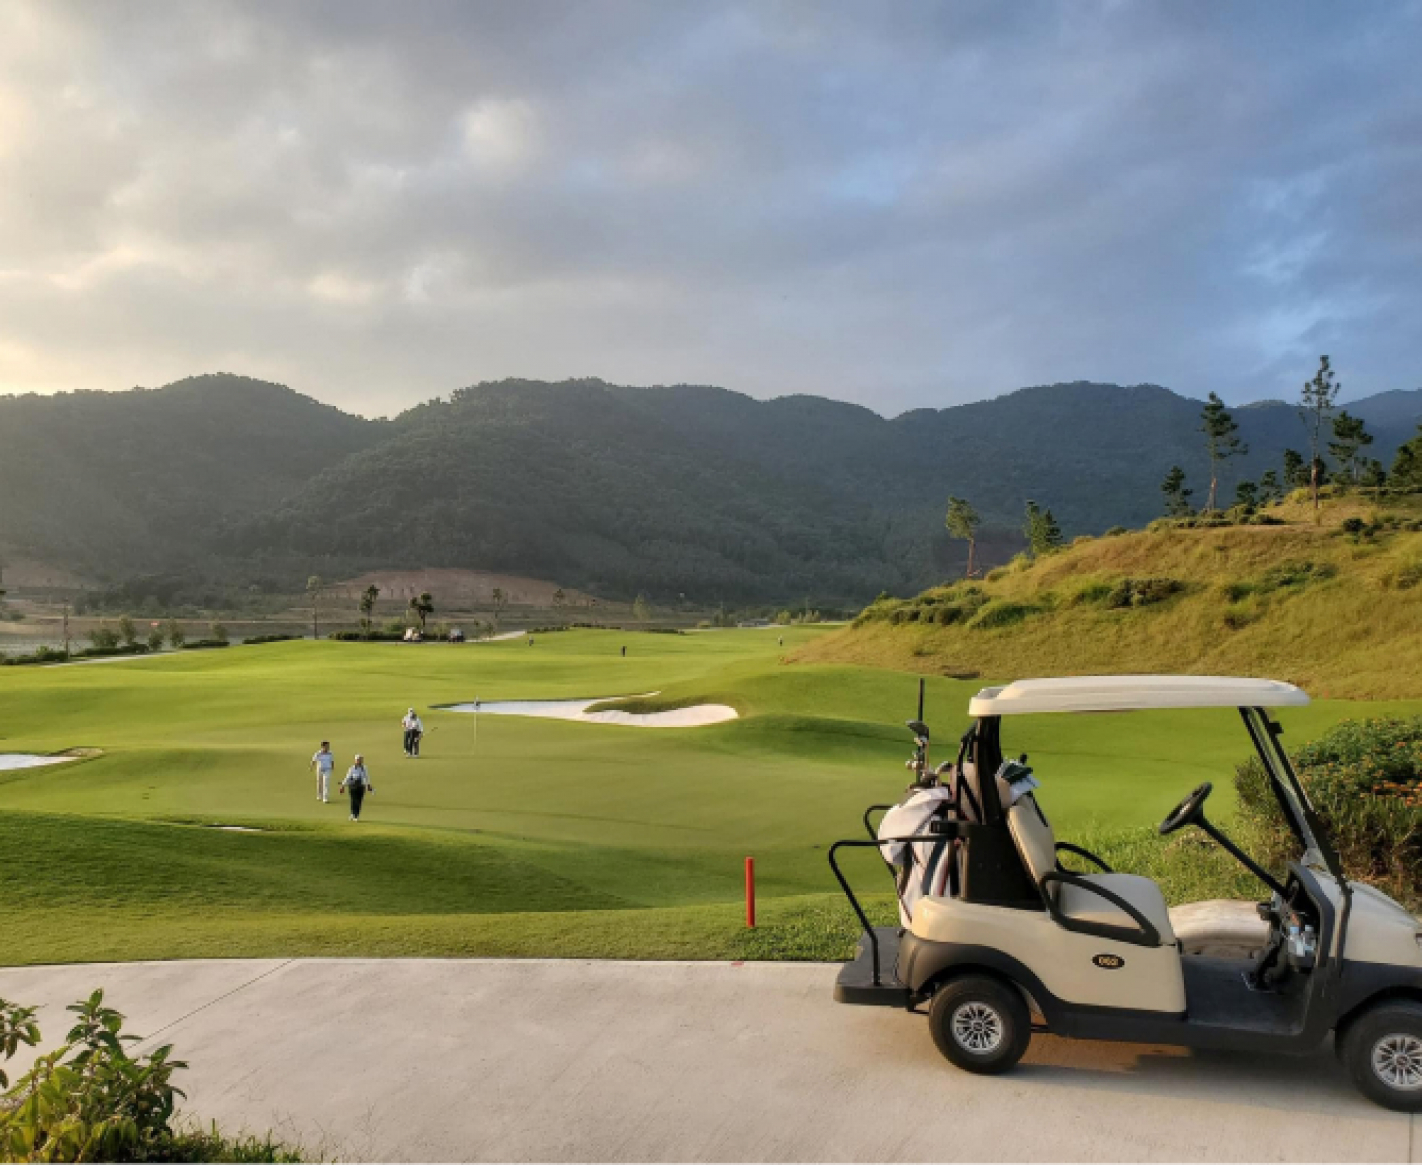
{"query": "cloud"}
[(898, 205)]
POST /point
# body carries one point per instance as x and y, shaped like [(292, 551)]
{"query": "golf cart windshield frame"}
[(985, 747), (1293, 801)]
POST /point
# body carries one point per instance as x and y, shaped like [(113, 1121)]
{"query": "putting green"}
[(509, 835)]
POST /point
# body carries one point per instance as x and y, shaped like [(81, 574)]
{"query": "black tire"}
[(980, 1023), (1382, 1049)]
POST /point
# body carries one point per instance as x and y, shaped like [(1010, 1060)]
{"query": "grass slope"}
[(1337, 613), (509, 836)]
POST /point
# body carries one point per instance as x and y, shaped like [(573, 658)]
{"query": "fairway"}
[(509, 835)]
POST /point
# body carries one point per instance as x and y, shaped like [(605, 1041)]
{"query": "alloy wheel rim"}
[(977, 1028), (1397, 1062)]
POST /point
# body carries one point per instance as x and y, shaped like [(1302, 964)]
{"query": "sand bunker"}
[(25, 760), (235, 828), (693, 717)]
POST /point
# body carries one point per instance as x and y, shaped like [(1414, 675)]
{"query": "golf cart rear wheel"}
[(980, 1023), (1383, 1050)]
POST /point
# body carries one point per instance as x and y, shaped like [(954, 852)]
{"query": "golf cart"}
[(1000, 937)]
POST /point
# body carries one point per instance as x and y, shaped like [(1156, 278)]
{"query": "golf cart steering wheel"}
[(1188, 812)]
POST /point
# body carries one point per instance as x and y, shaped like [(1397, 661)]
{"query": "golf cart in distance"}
[(1000, 928)]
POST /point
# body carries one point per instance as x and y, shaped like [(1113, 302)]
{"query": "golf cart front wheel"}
[(980, 1023), (1383, 1050)]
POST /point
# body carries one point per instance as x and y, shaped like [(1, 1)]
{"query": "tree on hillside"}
[(1221, 440), (314, 586), (422, 607), (962, 522), (127, 632), (1043, 533), (367, 607), (1407, 465), (498, 597), (1269, 488), (1315, 407), (1177, 497), (1372, 473), (1295, 471), (1246, 493), (1350, 437)]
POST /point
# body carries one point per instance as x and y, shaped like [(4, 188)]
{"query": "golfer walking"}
[(323, 764), (357, 783), (413, 731)]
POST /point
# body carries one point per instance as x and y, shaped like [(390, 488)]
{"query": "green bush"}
[(271, 639), (1003, 614), (104, 637), (39, 655), (1239, 615), (1405, 575), (1142, 592), (1364, 778), (1294, 576), (89, 1100), (1115, 532)]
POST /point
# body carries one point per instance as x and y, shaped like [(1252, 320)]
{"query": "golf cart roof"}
[(1132, 693)]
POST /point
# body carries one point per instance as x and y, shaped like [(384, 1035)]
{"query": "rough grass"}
[(1339, 613)]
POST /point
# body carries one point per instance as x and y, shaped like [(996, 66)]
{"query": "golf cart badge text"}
[(1109, 962)]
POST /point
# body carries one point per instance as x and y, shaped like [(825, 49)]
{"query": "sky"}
[(902, 205)]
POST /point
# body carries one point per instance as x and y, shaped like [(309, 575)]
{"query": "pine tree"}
[(962, 522), (1177, 497), (1407, 465), (1246, 494), (1315, 407), (1269, 488), (1043, 533), (1350, 438), (1295, 473), (1221, 440)]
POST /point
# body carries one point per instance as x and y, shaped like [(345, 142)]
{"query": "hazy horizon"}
[(895, 207)]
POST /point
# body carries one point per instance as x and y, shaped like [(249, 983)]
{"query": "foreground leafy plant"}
[(89, 1100)]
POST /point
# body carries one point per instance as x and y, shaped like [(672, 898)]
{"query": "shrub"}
[(1404, 575), (270, 639), (39, 655), (1235, 591), (1237, 616), (218, 633), (1364, 778), (175, 634), (89, 1100), (1142, 592), (155, 639), (1294, 575), (191, 644), (1003, 614), (996, 573), (104, 637), (127, 631), (1115, 532)]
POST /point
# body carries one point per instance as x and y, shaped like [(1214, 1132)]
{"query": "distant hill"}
[(1336, 611), (614, 490)]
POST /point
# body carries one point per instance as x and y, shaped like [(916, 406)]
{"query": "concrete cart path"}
[(562, 1060)]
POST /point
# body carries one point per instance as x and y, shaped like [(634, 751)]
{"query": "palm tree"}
[(367, 607), (422, 607), (498, 596)]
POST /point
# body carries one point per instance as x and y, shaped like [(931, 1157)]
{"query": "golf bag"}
[(920, 867)]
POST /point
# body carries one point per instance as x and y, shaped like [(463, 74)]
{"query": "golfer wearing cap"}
[(413, 731)]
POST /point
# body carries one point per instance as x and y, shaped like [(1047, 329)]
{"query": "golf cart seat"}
[(1125, 907)]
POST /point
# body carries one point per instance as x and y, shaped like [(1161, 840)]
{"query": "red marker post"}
[(750, 893)]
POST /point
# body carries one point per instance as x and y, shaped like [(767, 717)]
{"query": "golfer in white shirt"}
[(324, 764)]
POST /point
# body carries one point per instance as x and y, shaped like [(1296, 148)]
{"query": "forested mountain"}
[(685, 489)]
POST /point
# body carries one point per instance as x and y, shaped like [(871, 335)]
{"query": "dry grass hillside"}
[(1334, 605)]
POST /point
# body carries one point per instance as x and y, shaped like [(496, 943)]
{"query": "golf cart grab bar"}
[(869, 829), (855, 843), (1147, 936)]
